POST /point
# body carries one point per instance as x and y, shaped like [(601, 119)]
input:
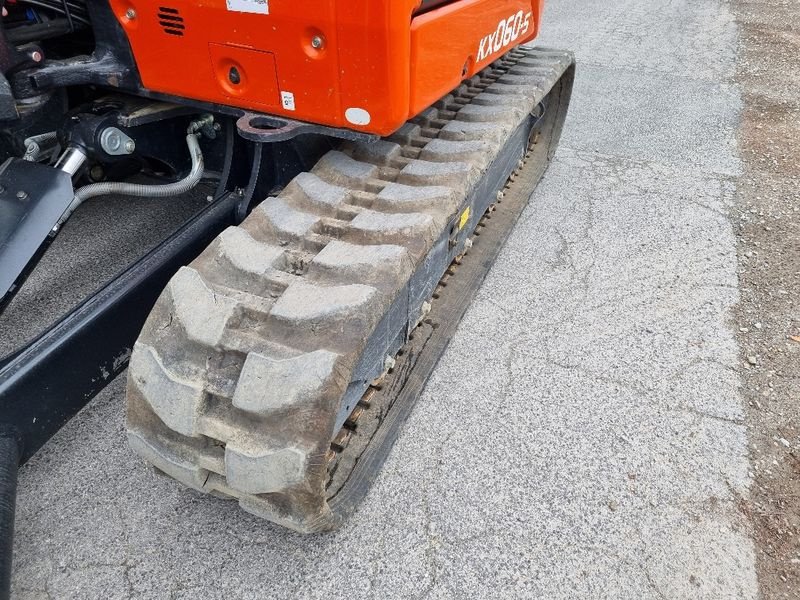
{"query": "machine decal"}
[(287, 99), (508, 31), (464, 219), (259, 7)]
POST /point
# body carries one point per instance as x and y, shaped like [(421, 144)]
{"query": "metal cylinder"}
[(71, 160)]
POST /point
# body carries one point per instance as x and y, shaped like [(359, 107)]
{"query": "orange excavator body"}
[(365, 65)]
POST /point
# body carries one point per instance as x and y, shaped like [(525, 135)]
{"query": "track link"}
[(250, 375)]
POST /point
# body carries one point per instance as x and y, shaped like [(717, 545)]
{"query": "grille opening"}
[(170, 20)]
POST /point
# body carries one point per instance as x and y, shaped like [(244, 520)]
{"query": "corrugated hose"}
[(144, 190)]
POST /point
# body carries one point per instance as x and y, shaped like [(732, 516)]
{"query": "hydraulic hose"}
[(9, 464), (33, 145), (144, 190)]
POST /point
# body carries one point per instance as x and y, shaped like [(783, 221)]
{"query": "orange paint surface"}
[(376, 64)]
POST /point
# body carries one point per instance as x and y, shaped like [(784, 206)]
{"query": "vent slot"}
[(170, 20)]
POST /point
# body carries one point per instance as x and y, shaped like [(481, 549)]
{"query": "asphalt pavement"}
[(583, 435)]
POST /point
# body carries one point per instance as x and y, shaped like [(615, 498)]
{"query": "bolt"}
[(22, 195), (110, 140), (36, 56), (130, 14), (317, 42), (130, 146), (96, 173), (234, 76)]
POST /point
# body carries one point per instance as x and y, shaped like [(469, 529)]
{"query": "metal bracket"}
[(266, 129), (116, 142), (32, 198)]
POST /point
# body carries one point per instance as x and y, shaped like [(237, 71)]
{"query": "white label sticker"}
[(357, 116), (287, 99), (259, 7)]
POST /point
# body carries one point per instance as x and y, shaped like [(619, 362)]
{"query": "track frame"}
[(498, 205)]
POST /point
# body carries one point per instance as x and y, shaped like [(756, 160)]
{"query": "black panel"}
[(428, 5), (32, 199)]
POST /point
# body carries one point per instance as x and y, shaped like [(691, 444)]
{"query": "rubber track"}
[(253, 354)]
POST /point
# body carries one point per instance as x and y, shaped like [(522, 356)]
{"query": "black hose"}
[(77, 12), (9, 464), (23, 34)]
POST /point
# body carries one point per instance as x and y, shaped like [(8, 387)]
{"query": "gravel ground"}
[(585, 435), (767, 221)]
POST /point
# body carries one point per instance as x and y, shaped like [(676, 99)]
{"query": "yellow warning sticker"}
[(464, 219)]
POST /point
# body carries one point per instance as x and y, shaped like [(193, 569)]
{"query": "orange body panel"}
[(367, 65)]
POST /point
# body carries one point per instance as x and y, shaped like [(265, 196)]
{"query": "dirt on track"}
[(767, 221)]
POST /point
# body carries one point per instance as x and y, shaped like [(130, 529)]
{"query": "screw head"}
[(317, 42), (130, 146), (36, 56), (22, 195), (110, 140), (96, 173), (130, 14), (234, 76)]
